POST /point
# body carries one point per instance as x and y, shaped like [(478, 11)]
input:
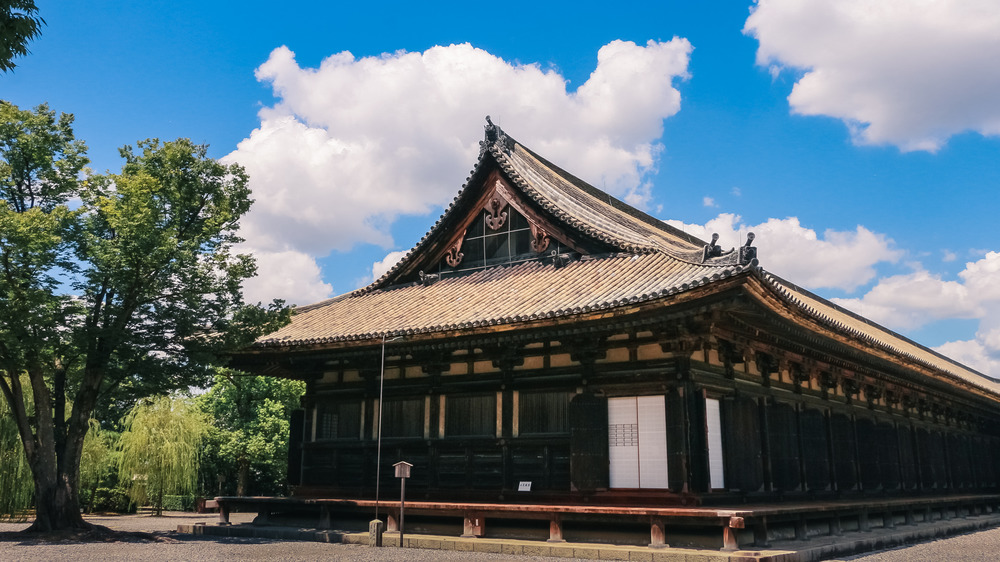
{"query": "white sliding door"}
[(623, 442), (637, 442)]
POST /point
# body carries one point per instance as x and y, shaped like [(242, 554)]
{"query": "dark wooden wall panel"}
[(907, 457), (296, 427), (844, 448), (869, 446), (888, 460), (588, 419), (741, 429), (815, 449), (783, 435)]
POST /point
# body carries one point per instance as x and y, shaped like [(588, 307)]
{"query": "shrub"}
[(178, 503), (113, 500)]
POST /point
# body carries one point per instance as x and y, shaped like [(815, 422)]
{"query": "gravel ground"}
[(980, 546), (973, 547), (173, 546)]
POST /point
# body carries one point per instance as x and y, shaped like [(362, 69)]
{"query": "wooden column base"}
[(729, 540), (657, 534), (474, 525), (555, 529)]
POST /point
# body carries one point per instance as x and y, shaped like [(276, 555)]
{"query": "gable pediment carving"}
[(501, 227)]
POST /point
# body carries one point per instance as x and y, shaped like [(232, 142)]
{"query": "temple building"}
[(548, 344)]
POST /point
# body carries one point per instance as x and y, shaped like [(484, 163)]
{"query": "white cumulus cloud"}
[(357, 142), (837, 259), (292, 276), (380, 268), (974, 354), (910, 73), (913, 300), (919, 298)]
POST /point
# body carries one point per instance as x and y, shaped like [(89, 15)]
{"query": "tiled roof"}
[(500, 295), (878, 336), (576, 204), (653, 260)]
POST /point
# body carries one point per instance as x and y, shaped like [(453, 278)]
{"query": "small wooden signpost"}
[(402, 472)]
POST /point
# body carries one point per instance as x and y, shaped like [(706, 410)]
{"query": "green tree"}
[(250, 430), (149, 255), (15, 476), (160, 449), (97, 459), (19, 24)]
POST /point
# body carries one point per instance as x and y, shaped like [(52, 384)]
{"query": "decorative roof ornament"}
[(712, 250), (495, 135), (748, 253), (712, 253)]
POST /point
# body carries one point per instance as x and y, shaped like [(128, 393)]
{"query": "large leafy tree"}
[(137, 282), (19, 24), (160, 449)]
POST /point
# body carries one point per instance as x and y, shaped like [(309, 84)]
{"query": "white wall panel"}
[(715, 461), (652, 442)]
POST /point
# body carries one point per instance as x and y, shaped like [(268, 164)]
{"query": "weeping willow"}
[(17, 489), (160, 449)]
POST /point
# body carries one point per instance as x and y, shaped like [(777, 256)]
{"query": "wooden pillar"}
[(760, 533), (678, 440), (830, 451), (699, 477), (506, 358), (765, 444), (803, 471), (324, 517), (801, 528), (835, 527)]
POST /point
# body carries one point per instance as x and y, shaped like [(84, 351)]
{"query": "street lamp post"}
[(378, 454)]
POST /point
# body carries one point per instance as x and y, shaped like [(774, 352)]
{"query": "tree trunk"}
[(243, 476), (159, 491), (57, 506)]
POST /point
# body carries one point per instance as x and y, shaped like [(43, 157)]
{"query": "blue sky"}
[(858, 139)]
